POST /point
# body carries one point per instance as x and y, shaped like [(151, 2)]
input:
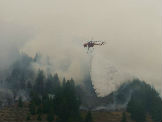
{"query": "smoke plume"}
[(57, 29), (106, 78)]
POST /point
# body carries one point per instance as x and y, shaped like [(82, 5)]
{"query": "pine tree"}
[(144, 100), (39, 110), (88, 117), (124, 118), (28, 118), (50, 117), (32, 108), (39, 118), (56, 82), (20, 103), (39, 85), (67, 103)]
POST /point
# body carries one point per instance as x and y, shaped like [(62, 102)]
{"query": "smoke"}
[(106, 77), (56, 29), (12, 38)]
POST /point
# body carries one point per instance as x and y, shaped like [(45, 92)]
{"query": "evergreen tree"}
[(64, 83), (20, 103), (32, 108), (136, 108), (28, 117), (39, 118), (67, 103), (39, 110), (56, 82), (35, 98), (49, 86), (50, 117), (124, 118), (39, 85), (88, 117), (144, 100)]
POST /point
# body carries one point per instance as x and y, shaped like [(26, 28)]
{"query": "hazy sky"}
[(58, 28)]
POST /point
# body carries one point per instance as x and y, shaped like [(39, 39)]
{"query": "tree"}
[(49, 86), (88, 117), (136, 107), (144, 100), (39, 85), (46, 106), (124, 118), (20, 103), (39, 118), (39, 110), (67, 103), (21, 71), (64, 104), (32, 108), (50, 117), (28, 117), (35, 98), (56, 82)]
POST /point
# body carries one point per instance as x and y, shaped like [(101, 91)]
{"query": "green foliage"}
[(28, 117), (136, 108), (35, 99), (20, 103), (52, 84), (124, 118), (39, 118), (39, 85), (39, 110), (32, 108), (56, 99), (88, 117), (145, 100), (50, 117), (67, 103)]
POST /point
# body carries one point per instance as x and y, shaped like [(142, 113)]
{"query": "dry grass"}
[(104, 116), (16, 114)]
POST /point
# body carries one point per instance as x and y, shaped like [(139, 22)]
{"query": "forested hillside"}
[(46, 97)]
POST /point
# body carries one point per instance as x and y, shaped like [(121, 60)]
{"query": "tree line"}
[(145, 100), (57, 100)]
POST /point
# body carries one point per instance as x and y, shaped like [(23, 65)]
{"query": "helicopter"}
[(91, 44)]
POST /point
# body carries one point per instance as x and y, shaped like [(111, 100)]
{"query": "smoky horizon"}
[(131, 30)]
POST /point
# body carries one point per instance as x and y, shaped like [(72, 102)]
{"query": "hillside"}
[(39, 88), (117, 100), (16, 114)]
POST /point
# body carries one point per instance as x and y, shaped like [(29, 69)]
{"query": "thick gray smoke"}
[(105, 76), (12, 38), (57, 29)]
